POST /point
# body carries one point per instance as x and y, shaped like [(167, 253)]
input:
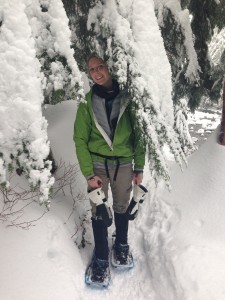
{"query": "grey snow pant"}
[(121, 187)]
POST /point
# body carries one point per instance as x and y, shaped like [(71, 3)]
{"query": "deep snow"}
[(177, 240), (177, 236), (197, 223)]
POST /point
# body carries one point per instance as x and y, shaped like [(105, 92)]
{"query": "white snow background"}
[(177, 240)]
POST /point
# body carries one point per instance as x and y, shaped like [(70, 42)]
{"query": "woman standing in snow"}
[(109, 151)]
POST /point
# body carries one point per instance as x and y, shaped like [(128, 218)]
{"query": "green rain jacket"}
[(90, 137)]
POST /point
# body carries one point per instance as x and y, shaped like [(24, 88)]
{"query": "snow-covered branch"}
[(23, 129), (182, 19), (61, 78)]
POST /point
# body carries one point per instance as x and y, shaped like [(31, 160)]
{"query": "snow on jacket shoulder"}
[(90, 137)]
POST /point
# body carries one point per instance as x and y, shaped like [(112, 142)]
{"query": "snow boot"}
[(121, 224), (100, 233), (98, 273), (100, 270), (121, 256)]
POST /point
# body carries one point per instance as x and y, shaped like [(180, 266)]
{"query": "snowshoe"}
[(121, 257), (98, 273)]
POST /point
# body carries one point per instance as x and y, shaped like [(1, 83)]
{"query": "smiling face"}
[(99, 72)]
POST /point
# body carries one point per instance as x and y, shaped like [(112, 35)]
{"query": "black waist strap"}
[(107, 156), (106, 164)]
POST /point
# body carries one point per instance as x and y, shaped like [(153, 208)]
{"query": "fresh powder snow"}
[(23, 128), (177, 240), (177, 237)]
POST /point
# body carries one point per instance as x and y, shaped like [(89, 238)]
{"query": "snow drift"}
[(177, 240)]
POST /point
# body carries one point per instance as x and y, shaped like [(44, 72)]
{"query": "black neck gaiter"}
[(107, 94)]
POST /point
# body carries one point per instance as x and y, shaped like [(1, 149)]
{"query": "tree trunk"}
[(222, 131)]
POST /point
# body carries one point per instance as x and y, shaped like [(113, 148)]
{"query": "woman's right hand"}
[(94, 182)]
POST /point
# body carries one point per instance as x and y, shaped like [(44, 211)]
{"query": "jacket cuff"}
[(138, 171), (89, 177)]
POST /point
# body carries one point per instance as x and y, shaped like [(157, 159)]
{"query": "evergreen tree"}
[(181, 126), (187, 29), (81, 37), (217, 46), (61, 76), (36, 65), (203, 16), (179, 44), (23, 130)]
